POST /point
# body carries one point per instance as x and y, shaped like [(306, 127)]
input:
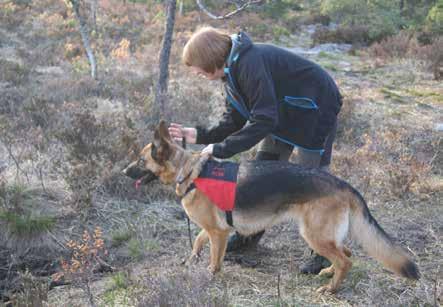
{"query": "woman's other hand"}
[(178, 132)]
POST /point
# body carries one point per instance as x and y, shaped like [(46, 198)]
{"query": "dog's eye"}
[(141, 162)]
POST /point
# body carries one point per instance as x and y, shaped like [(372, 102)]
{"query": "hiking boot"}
[(238, 242), (315, 264)]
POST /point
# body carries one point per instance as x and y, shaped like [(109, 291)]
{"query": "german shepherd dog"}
[(325, 208)]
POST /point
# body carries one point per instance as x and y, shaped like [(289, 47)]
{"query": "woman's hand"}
[(208, 150), (178, 132)]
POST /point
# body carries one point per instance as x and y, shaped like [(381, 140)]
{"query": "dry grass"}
[(387, 147)]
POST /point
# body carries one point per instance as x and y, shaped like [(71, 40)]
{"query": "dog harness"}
[(218, 181)]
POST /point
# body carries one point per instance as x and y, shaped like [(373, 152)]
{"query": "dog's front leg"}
[(218, 241), (199, 242)]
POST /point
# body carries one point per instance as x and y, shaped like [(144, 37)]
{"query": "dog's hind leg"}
[(218, 241), (329, 271), (340, 262), (324, 227), (341, 266), (199, 242)]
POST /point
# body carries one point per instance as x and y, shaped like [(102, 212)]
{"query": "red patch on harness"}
[(221, 193), (218, 181)]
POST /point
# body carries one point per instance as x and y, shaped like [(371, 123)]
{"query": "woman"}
[(275, 98)]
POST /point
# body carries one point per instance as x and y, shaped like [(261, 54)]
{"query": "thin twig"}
[(40, 174), (239, 9)]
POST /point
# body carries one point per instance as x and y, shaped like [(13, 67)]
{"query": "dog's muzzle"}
[(141, 177), (150, 176)]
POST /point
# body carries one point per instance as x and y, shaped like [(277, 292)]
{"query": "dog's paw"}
[(325, 289), (213, 269), (328, 272)]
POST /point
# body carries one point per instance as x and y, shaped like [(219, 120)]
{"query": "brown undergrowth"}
[(67, 137)]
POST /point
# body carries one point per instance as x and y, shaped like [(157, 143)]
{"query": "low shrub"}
[(26, 225), (356, 35), (380, 19), (406, 44), (92, 148)]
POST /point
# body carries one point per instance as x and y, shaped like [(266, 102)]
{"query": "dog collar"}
[(185, 178)]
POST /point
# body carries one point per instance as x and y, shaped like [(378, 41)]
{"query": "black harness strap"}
[(229, 218), (189, 189)]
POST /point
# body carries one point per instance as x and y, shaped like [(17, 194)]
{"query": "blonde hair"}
[(208, 48)]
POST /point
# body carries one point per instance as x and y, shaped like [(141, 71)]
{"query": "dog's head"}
[(152, 162)]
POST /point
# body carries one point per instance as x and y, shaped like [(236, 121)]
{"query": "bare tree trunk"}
[(180, 10), (85, 37), (162, 86), (94, 15)]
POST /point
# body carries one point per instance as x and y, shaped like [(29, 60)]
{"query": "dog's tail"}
[(376, 242)]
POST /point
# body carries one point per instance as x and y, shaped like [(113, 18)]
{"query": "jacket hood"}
[(240, 43)]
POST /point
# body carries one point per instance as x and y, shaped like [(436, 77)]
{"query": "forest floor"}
[(388, 147)]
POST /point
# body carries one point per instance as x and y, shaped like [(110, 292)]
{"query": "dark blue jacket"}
[(272, 91)]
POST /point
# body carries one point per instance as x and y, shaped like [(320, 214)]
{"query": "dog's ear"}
[(161, 149)]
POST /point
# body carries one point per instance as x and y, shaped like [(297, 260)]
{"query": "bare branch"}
[(238, 10)]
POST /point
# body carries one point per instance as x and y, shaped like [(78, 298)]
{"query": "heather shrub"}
[(357, 35), (407, 45), (93, 147), (316, 18)]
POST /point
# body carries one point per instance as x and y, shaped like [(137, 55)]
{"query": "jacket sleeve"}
[(231, 121), (257, 87)]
